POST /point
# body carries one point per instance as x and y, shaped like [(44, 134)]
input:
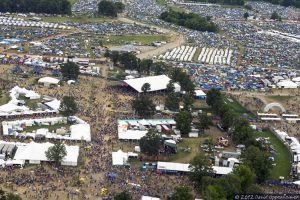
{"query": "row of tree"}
[(189, 20), (128, 60), (36, 6), (8, 196), (255, 156), (110, 8)]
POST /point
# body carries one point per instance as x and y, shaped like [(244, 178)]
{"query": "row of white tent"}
[(12, 108), (183, 53), (20, 22), (293, 145), (35, 153), (77, 132), (215, 56)]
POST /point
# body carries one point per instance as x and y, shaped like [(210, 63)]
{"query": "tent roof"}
[(156, 83), (222, 170), (171, 166), (199, 93), (149, 198), (81, 131), (119, 158), (53, 104), (49, 80)]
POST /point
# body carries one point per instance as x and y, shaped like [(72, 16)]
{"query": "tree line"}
[(110, 9), (128, 60), (189, 20), (36, 6)]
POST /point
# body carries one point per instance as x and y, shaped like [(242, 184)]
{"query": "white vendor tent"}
[(34, 153), (287, 84), (54, 105), (119, 158), (157, 83), (172, 167), (222, 170), (149, 198), (47, 81), (80, 132)]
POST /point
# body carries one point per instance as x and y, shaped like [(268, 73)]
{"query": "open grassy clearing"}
[(282, 157), (139, 39), (177, 9), (280, 98), (161, 2), (4, 99), (77, 19), (49, 127), (237, 107), (72, 2)]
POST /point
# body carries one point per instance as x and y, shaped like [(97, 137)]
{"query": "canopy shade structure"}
[(157, 83), (48, 81)]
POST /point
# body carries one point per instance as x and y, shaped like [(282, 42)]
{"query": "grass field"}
[(4, 99), (49, 127), (237, 107), (280, 98), (282, 158), (139, 39), (72, 2), (77, 19), (161, 2), (177, 9), (186, 157)]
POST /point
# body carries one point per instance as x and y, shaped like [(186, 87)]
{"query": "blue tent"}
[(55, 72), (37, 70), (17, 70)]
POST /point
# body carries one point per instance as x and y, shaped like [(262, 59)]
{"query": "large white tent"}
[(149, 198), (35, 153), (157, 83), (47, 81), (287, 84)]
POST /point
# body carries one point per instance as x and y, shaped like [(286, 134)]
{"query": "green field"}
[(177, 9), (161, 2), (72, 2), (77, 19), (280, 98), (282, 158), (49, 127), (237, 107), (139, 39)]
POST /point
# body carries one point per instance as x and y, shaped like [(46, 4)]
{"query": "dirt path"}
[(176, 39)]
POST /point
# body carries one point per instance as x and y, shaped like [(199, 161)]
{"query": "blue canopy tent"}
[(56, 73), (37, 70), (17, 70)]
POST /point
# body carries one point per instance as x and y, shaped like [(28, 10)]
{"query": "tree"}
[(150, 143), (143, 106), (119, 6), (200, 167), (107, 8), (187, 101), (246, 15), (146, 65), (114, 56), (248, 7), (182, 193), (183, 122), (68, 106), (214, 192), (56, 152), (172, 101), (246, 176), (70, 71), (258, 161), (170, 87), (212, 96), (107, 54), (242, 133), (123, 196), (146, 87), (275, 16), (8, 196), (204, 122), (159, 68)]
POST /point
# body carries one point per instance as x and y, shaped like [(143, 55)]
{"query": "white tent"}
[(119, 158), (171, 166), (287, 84), (53, 104), (157, 83), (34, 153), (47, 81), (149, 198), (80, 132)]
